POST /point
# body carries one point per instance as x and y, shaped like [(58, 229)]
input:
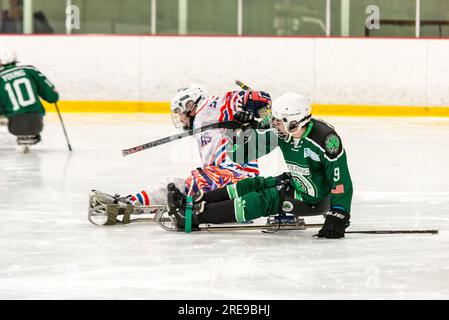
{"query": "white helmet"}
[(190, 92), (7, 56), (293, 110)]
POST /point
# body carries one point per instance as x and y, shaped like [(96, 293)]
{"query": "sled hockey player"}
[(192, 107), (318, 181), (21, 86)]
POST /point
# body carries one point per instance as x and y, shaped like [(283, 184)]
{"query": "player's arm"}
[(341, 192), (250, 108), (251, 145), (247, 108), (255, 102), (45, 88), (337, 173), (251, 142)]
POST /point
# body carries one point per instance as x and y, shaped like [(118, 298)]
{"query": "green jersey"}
[(317, 162), (20, 89)]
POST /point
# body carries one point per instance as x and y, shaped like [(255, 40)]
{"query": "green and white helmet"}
[(293, 111), (7, 56)]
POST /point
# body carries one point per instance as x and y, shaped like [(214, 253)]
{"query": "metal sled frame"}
[(26, 142), (127, 213), (168, 223), (160, 215)]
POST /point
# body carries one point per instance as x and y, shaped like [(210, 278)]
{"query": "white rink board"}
[(50, 251), (404, 72), (375, 72), (438, 73)]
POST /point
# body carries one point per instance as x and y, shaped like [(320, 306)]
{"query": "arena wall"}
[(344, 76)]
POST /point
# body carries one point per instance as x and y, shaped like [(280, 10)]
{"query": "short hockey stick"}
[(274, 227), (292, 227), (242, 85), (63, 127), (396, 232), (237, 227), (149, 145), (219, 125)]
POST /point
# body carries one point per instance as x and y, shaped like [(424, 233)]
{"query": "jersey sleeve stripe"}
[(139, 197), (338, 157), (316, 144), (146, 197)]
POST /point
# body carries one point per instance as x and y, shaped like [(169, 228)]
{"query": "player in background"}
[(192, 107), (318, 181), (20, 89)]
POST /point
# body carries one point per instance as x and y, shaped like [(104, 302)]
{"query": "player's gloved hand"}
[(284, 179), (246, 119), (335, 224), (256, 100)]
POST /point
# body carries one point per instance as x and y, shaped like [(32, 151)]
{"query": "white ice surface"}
[(48, 249)]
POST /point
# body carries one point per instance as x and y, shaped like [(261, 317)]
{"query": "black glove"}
[(246, 119), (284, 179), (335, 224), (257, 100)]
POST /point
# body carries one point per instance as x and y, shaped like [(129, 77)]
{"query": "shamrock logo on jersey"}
[(332, 144)]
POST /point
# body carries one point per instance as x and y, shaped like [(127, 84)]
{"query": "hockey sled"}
[(106, 210), (3, 121), (273, 224), (108, 215)]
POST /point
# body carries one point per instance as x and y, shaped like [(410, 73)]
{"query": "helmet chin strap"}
[(290, 133), (191, 115), (190, 126), (286, 136), (294, 132)]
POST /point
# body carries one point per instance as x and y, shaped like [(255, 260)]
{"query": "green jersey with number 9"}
[(317, 162), (20, 89)]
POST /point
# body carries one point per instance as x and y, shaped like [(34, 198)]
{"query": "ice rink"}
[(49, 250)]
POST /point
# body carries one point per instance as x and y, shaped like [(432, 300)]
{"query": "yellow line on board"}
[(109, 107), (379, 111), (318, 109)]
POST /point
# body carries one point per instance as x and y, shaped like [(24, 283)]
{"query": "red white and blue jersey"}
[(217, 169), (212, 144)]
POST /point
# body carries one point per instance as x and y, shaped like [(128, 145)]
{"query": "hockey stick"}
[(63, 127), (396, 232), (242, 85), (237, 227), (219, 125), (301, 227), (266, 228), (149, 145)]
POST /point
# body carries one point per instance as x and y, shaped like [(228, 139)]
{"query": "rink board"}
[(333, 71)]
